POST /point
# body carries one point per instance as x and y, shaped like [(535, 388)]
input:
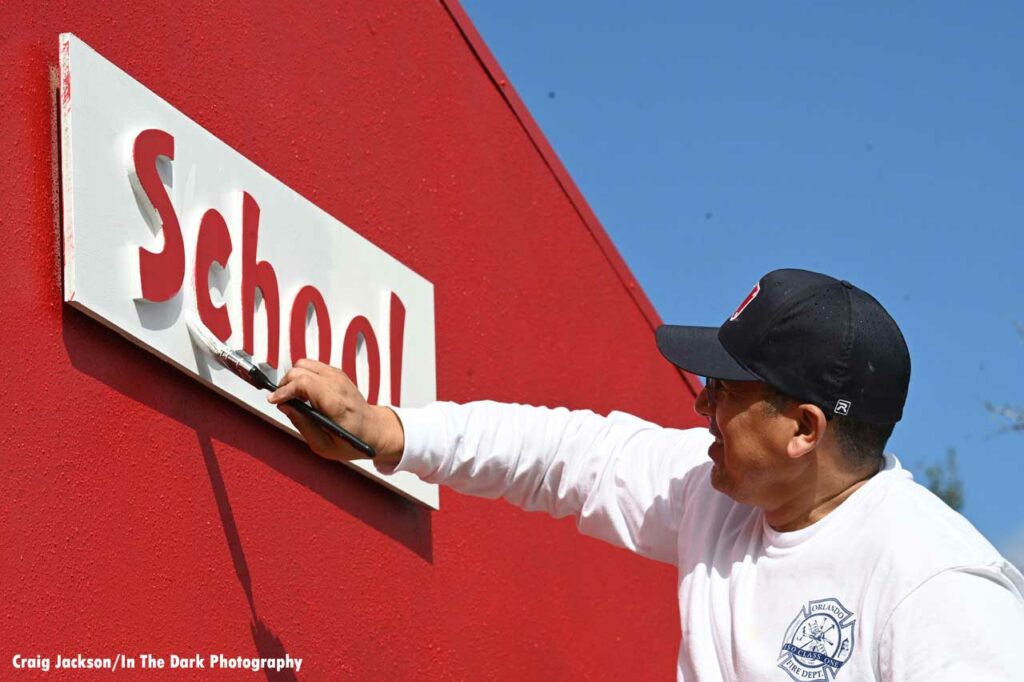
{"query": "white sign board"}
[(161, 217)]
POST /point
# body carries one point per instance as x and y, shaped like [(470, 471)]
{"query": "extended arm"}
[(619, 476)]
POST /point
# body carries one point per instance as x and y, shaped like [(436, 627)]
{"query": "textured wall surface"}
[(141, 512)]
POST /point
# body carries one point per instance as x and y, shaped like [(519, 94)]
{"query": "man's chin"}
[(721, 482), (718, 478)]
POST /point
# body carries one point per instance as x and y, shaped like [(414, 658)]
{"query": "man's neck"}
[(823, 495)]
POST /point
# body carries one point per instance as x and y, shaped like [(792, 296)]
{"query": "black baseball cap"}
[(812, 337)]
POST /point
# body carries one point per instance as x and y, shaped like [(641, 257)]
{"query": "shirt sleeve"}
[(963, 624), (619, 476)]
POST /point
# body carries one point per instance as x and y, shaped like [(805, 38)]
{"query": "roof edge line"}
[(597, 232)]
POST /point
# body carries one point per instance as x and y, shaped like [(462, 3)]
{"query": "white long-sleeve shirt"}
[(891, 585)]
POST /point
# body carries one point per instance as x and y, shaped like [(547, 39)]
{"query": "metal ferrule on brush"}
[(239, 364), (247, 370)]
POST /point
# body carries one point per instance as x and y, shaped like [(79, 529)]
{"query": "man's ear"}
[(811, 426)]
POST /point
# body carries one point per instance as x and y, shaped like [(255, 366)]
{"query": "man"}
[(803, 552)]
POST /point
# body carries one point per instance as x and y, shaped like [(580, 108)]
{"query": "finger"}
[(320, 368), (308, 387), (314, 366), (295, 384), (315, 437), (291, 375)]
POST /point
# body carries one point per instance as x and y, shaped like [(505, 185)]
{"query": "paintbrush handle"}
[(338, 430)]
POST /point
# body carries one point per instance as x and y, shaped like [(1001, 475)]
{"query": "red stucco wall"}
[(141, 512)]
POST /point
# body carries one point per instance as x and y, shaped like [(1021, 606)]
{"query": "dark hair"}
[(860, 442)]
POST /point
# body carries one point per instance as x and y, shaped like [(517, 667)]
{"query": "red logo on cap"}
[(750, 297)]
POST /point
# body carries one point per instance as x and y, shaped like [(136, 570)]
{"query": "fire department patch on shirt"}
[(818, 641)]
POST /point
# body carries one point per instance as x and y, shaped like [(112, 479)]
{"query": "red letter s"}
[(161, 273)]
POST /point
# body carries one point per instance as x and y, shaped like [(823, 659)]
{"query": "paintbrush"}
[(239, 363)]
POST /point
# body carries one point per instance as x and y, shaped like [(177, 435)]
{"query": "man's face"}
[(749, 452)]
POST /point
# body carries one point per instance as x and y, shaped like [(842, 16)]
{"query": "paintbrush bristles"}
[(204, 337), (238, 363)]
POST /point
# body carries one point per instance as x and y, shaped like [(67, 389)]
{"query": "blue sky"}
[(882, 143)]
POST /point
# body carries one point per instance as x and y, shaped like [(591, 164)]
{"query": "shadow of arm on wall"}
[(268, 645)]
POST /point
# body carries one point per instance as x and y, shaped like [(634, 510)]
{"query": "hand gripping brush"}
[(249, 371)]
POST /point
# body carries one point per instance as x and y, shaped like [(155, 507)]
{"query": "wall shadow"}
[(268, 645), (148, 380)]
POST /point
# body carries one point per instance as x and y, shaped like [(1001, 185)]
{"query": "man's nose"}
[(703, 406)]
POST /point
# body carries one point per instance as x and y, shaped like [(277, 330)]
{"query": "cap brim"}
[(698, 351)]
